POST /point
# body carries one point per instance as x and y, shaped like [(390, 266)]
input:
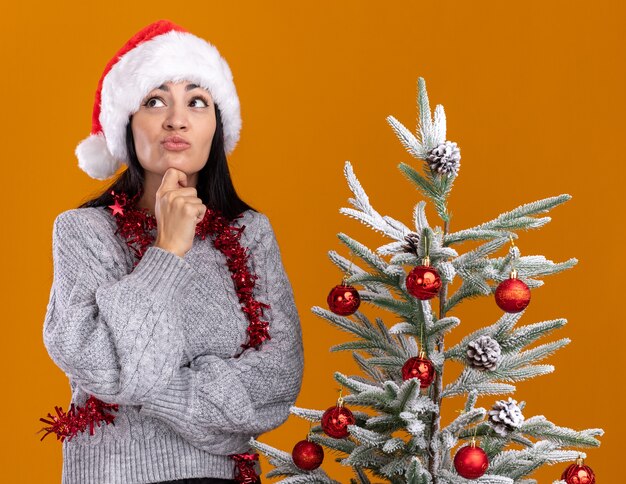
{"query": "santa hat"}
[(158, 53)]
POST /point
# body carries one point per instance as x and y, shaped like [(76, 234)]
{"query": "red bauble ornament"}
[(578, 473), (420, 367), (335, 421), (307, 455), (423, 282), (471, 461), (343, 299), (512, 295)]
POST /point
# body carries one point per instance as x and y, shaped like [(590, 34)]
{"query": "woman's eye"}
[(206, 104), (150, 104)]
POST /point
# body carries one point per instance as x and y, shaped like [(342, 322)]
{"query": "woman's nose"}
[(176, 116)]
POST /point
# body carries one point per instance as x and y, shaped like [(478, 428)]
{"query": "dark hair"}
[(214, 187)]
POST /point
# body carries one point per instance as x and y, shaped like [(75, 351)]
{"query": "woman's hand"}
[(178, 210)]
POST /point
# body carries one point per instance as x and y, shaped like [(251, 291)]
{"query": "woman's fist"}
[(177, 210)]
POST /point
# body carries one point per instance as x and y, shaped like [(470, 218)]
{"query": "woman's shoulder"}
[(250, 217), (84, 219), (256, 224), (85, 214)]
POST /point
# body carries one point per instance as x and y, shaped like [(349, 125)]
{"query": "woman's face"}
[(181, 110)]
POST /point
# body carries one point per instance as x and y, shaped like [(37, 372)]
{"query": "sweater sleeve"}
[(238, 397), (114, 334)]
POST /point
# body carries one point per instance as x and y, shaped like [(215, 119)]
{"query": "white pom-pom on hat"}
[(158, 53), (94, 157)]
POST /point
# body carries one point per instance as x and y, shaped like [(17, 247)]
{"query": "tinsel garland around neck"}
[(135, 226)]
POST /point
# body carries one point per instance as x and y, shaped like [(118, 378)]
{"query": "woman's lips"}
[(172, 146)]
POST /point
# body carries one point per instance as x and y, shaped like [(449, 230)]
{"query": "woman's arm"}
[(249, 395), (115, 335)]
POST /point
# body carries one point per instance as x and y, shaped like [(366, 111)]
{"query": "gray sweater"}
[(160, 340)]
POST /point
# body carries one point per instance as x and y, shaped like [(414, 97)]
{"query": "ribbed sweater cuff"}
[(209, 397), (171, 404), (163, 273)]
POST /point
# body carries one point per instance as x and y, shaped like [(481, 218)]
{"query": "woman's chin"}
[(176, 160)]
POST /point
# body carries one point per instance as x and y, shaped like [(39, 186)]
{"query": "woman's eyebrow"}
[(188, 87)]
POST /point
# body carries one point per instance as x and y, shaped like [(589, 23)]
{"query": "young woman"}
[(169, 298)]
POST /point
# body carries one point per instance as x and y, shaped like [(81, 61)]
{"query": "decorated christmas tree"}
[(402, 438)]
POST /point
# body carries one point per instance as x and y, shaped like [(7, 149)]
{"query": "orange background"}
[(533, 92)]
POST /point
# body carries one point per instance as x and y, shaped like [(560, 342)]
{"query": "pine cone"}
[(484, 353), (505, 417), (412, 244), (445, 159)]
